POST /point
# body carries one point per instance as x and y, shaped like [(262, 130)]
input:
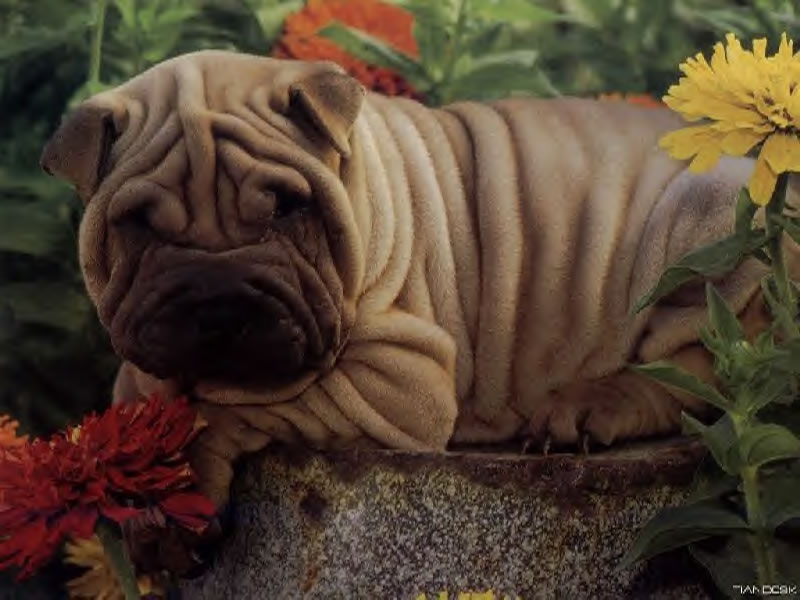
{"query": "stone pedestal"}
[(388, 524)]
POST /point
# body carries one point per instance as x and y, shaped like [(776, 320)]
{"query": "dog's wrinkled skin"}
[(318, 265)]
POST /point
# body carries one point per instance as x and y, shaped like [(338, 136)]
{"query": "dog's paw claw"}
[(586, 443), (546, 445)]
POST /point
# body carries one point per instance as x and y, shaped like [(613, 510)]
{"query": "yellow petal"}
[(760, 48), (705, 159), (785, 50), (794, 108), (740, 141), (685, 143), (793, 156), (782, 152), (719, 60), (762, 182)]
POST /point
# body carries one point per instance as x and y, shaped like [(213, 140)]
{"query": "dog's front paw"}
[(601, 412)]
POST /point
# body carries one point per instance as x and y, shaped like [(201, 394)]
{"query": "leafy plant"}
[(634, 45), (486, 49), (750, 488), (746, 498), (466, 50)]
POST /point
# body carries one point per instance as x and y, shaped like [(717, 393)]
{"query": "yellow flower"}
[(99, 580), (745, 98)]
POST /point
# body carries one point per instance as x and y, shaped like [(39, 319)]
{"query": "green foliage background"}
[(55, 360)]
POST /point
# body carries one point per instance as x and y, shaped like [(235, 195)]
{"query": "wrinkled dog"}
[(318, 265)]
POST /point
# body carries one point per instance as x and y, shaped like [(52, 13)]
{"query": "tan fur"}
[(482, 260)]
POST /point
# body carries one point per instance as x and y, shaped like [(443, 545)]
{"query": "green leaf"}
[(31, 229), (779, 311), (723, 320), (33, 185), (271, 15), (40, 39), (766, 443), (720, 438), (713, 260), (496, 75), (55, 305), (770, 387), (434, 25), (718, 348), (781, 496), (514, 11), (790, 225), (762, 256), (730, 563), (672, 376), (373, 51), (711, 482), (745, 211), (485, 40), (519, 59), (678, 526), (590, 13), (786, 358)]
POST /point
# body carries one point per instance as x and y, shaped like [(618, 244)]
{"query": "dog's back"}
[(537, 225)]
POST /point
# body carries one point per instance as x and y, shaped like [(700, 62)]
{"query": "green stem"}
[(97, 42), (117, 553), (775, 247), (759, 538), (453, 52)]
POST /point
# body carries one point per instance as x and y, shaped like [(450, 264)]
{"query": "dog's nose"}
[(192, 333), (217, 319), (189, 325)]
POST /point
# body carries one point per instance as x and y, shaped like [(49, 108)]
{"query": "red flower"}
[(382, 20), (115, 465)]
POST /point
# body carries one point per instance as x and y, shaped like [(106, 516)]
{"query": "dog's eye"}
[(289, 203)]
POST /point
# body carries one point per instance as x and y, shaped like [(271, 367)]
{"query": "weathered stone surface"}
[(387, 524)]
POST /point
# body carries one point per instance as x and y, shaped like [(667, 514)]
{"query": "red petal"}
[(189, 509), (119, 513), (79, 523)]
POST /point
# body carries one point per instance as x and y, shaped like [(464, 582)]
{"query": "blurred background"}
[(55, 360)]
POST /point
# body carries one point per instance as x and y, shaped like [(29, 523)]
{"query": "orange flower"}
[(386, 22), (8, 433), (644, 100)]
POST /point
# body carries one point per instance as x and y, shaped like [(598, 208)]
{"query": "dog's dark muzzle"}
[(213, 322)]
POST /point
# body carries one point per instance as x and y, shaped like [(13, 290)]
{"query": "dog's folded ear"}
[(331, 101), (78, 151)]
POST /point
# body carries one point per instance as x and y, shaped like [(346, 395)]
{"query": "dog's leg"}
[(621, 406), (627, 405), (132, 384)]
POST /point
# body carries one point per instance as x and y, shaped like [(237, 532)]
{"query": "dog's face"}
[(215, 241)]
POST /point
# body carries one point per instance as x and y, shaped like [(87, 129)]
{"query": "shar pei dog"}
[(315, 264)]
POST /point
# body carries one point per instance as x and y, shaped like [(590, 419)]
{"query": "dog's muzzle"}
[(211, 321)]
